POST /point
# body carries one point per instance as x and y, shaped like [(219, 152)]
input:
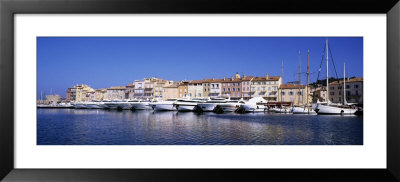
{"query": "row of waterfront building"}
[(236, 87)]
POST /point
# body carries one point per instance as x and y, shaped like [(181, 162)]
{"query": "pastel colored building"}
[(195, 88), (318, 93), (291, 93), (246, 82), (215, 87), (183, 89), (130, 91), (99, 94), (266, 87), (52, 99), (139, 89), (79, 93), (232, 87), (170, 91), (115, 93), (354, 91), (206, 87), (158, 88)]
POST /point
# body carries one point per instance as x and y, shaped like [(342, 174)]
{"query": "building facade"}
[(232, 88), (195, 88), (79, 93), (292, 93), (266, 87), (100, 94), (116, 93), (130, 91), (246, 82), (354, 91), (183, 89), (215, 87), (170, 91)]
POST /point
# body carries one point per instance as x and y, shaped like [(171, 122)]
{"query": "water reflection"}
[(103, 127)]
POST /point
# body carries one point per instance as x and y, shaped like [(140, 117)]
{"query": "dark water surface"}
[(103, 127)]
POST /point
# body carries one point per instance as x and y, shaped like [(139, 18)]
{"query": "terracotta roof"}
[(291, 86), (196, 81), (347, 81), (230, 80), (271, 78), (116, 88), (175, 85), (131, 85), (247, 78)]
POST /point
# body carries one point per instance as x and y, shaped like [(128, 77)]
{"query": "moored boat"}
[(167, 105), (256, 104)]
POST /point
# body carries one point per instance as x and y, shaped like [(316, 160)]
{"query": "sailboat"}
[(329, 108), (306, 109)]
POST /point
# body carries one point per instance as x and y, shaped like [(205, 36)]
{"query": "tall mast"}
[(308, 74), (327, 77), (281, 78), (299, 81), (344, 83)]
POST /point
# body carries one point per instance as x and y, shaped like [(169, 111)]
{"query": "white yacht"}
[(255, 104), (93, 105), (140, 105), (79, 105), (285, 110), (210, 104), (303, 110), (116, 104), (187, 104), (230, 105), (167, 105)]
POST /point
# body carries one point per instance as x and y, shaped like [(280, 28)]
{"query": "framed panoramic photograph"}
[(210, 91)]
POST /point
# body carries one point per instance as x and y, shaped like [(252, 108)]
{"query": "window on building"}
[(340, 99), (348, 93), (332, 93), (290, 93), (223, 89), (356, 92), (347, 86), (229, 89), (339, 87), (356, 86), (340, 93), (263, 88), (269, 88), (233, 89), (300, 93), (283, 93), (258, 88), (238, 89), (332, 88)]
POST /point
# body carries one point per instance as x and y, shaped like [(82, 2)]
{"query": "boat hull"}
[(303, 110), (164, 107), (323, 109), (207, 107), (252, 108), (185, 107), (141, 106)]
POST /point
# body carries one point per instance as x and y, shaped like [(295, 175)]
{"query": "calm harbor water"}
[(105, 127)]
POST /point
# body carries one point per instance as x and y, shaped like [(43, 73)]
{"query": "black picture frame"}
[(8, 8)]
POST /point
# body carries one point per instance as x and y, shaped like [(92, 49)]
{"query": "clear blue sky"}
[(102, 62)]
